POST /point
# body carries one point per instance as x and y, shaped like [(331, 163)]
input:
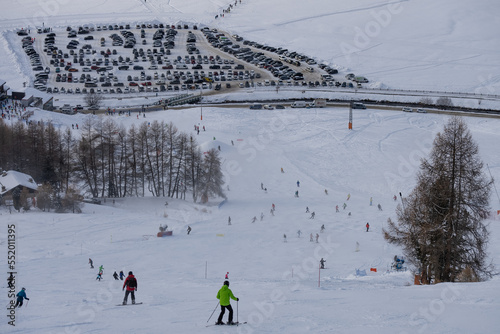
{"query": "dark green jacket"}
[(224, 294)]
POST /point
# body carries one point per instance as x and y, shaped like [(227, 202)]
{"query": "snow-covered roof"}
[(36, 93), (11, 179)]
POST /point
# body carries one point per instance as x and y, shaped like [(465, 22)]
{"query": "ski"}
[(129, 304), (234, 324)]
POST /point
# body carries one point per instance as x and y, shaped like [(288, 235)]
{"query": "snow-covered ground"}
[(445, 45), (277, 282)]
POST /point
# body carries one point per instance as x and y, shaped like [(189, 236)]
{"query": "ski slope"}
[(276, 281)]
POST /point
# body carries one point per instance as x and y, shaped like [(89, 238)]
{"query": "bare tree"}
[(440, 225), (444, 101), (93, 100), (426, 101)]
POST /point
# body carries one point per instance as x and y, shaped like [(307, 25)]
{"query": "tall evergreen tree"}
[(441, 223)]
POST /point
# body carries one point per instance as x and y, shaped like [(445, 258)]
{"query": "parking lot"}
[(148, 59)]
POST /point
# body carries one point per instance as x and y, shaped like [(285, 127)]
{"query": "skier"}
[(262, 186), (99, 276), (311, 238), (312, 215), (336, 208), (367, 226), (131, 284), (261, 216), (371, 201), (10, 281), (395, 198), (297, 193), (307, 209), (322, 263), (101, 269), (284, 237), (322, 228), (345, 205), (299, 233), (348, 196), (282, 170), (254, 219), (227, 275), (273, 207), (272, 212), (122, 275), (115, 275), (91, 263), (223, 296), (229, 220), (298, 184), (326, 192), (317, 237), (189, 229), (379, 207), (20, 296)]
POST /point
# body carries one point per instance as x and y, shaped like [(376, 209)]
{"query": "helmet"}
[(130, 273), (226, 283)]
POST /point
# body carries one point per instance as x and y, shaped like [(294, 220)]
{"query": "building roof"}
[(11, 179), (36, 93), (2, 82)]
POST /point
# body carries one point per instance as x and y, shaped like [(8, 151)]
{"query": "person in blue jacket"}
[(20, 296)]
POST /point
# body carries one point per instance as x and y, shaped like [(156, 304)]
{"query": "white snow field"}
[(445, 45), (436, 45), (277, 282)]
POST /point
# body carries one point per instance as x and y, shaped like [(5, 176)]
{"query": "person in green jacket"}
[(223, 296)]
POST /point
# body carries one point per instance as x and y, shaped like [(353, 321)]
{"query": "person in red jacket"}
[(131, 285)]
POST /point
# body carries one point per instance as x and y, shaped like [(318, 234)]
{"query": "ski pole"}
[(237, 320), (213, 312), (27, 303)]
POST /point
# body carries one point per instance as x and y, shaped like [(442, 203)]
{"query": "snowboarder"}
[(298, 184), (312, 215), (131, 285), (254, 219), (284, 237), (189, 229), (379, 207), (367, 226), (229, 220), (307, 209), (227, 275), (223, 296), (322, 228), (322, 263), (91, 263), (299, 233), (115, 275), (21, 295), (297, 193), (122, 275)]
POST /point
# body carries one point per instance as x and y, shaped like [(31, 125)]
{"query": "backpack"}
[(132, 282)]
